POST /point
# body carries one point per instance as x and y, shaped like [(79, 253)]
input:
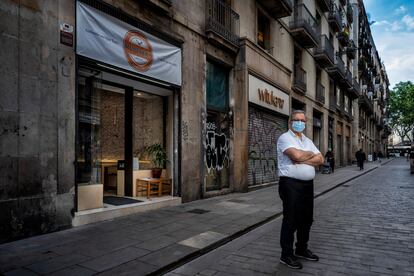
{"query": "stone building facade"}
[(243, 66)]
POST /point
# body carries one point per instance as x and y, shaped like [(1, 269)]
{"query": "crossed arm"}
[(304, 157)]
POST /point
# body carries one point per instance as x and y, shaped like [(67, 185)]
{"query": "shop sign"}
[(107, 39), (268, 96)]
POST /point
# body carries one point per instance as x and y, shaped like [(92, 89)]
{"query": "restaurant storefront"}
[(128, 84), (268, 119)]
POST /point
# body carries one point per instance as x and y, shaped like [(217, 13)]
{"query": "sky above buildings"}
[(393, 31)]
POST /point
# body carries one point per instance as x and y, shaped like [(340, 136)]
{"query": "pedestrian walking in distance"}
[(360, 157), (297, 157), (330, 158)]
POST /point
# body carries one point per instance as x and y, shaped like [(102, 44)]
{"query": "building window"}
[(346, 103), (217, 87), (263, 30), (338, 97)]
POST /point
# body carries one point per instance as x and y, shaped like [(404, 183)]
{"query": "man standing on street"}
[(360, 157), (297, 157)]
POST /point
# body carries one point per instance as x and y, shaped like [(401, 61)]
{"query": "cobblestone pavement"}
[(152, 241), (365, 227)]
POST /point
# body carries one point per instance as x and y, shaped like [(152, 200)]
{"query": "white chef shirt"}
[(285, 164)]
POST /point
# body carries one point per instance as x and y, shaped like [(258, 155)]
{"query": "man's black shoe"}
[(291, 262), (307, 255)]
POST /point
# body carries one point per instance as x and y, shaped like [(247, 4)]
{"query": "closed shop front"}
[(268, 119)]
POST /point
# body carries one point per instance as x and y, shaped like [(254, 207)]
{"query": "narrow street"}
[(365, 227)]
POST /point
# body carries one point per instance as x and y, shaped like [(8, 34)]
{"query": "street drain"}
[(198, 211), (406, 187)]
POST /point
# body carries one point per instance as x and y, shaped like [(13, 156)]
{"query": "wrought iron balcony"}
[(278, 8), (347, 80), (222, 21), (338, 70), (324, 5), (335, 18), (354, 91), (332, 103), (304, 28), (350, 13), (343, 37), (351, 49), (299, 80), (343, 2), (324, 54), (366, 102), (320, 93)]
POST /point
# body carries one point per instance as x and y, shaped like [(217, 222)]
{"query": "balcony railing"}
[(278, 8), (222, 20), (350, 13), (324, 5), (332, 103), (304, 27), (325, 52), (335, 18), (351, 49), (338, 70), (366, 102), (343, 37), (320, 93), (299, 80), (348, 78), (355, 89)]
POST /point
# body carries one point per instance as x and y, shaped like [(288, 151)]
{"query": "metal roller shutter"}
[(264, 130)]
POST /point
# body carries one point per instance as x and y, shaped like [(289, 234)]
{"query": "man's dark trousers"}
[(297, 197)]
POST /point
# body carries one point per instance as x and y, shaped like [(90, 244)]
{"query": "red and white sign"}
[(107, 39)]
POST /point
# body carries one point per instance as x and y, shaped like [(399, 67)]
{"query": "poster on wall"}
[(104, 38)]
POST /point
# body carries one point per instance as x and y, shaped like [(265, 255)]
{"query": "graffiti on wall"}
[(263, 134), (216, 148)]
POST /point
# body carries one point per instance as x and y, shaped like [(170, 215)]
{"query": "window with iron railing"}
[(299, 78), (222, 20), (320, 92)]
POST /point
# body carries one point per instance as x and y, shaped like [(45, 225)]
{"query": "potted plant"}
[(158, 157)]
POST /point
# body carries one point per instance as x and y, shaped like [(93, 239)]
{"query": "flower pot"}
[(156, 172)]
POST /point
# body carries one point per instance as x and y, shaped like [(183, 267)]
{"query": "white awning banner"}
[(107, 39)]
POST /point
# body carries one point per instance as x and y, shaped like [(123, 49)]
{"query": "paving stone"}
[(167, 255), (132, 268), (156, 243), (203, 240), (114, 259), (73, 270), (20, 272), (57, 263)]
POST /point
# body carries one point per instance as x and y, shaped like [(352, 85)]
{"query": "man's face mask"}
[(298, 126)]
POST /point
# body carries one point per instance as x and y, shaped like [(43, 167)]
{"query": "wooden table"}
[(148, 184)]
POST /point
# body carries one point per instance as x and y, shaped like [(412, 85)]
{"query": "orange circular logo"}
[(138, 51)]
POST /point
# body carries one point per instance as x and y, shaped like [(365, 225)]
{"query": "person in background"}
[(297, 157), (380, 156), (329, 156), (360, 157)]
